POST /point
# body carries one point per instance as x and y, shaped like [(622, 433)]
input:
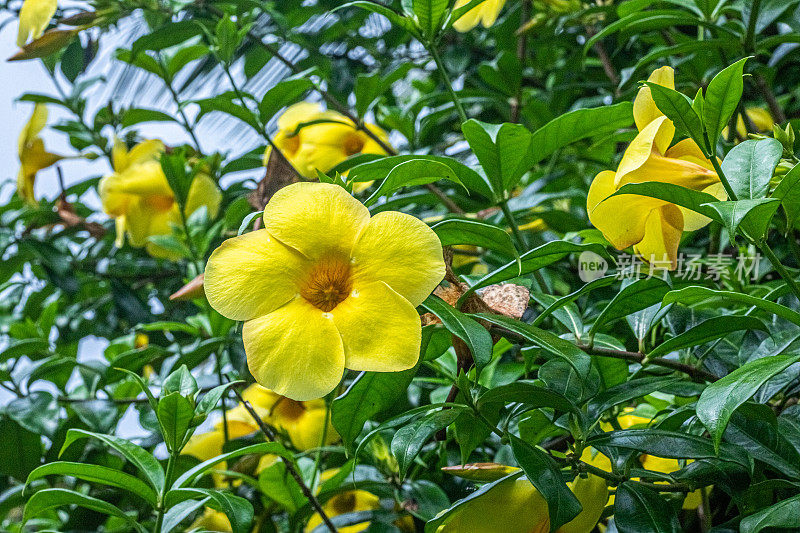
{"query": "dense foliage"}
[(608, 337)]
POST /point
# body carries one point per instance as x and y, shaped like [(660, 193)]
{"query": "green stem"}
[(749, 42), (167, 479), (175, 98), (720, 173), (778, 266), (512, 223), (453, 96)]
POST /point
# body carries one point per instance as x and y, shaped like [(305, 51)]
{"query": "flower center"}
[(288, 409), (328, 284), (353, 144), (161, 202), (344, 503)]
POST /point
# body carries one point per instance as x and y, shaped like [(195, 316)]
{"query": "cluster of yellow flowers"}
[(653, 227)]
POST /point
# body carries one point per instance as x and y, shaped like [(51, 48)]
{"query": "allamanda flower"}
[(653, 227), (349, 501), (321, 145), (139, 197), (33, 156), (34, 16), (513, 505), (303, 422), (324, 287), (485, 13)]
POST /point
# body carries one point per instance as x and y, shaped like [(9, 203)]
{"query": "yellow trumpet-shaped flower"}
[(653, 227), (485, 13), (350, 501), (212, 520), (516, 506), (303, 421), (327, 140), (33, 156), (34, 16), (324, 287), (139, 197)]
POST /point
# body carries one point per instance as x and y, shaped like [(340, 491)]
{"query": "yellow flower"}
[(323, 145), (759, 117), (303, 422), (484, 13), (34, 16), (350, 501), (653, 227), (139, 197), (212, 520), (324, 287), (515, 506), (32, 154)]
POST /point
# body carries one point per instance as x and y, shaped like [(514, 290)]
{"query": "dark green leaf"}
[(638, 509), (409, 440), (473, 334), (721, 99), (708, 330)]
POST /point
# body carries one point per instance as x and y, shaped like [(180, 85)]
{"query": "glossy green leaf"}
[(409, 439), (721, 398), (238, 510), (637, 509), (678, 108), (696, 295), (722, 96), (410, 173), (634, 297), (468, 330), (708, 330), (47, 499), (453, 231), (780, 515), (749, 167)]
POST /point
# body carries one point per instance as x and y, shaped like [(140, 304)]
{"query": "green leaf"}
[(369, 394), (530, 395), (788, 192), (430, 15), (721, 99), (179, 512), (533, 260), (238, 510), (284, 93), (678, 108), (721, 398), (97, 474), (276, 484), (749, 167), (752, 217), (474, 232), (262, 448), (395, 18), (410, 173), (212, 397), (134, 116), (634, 297), (468, 330), (781, 515), (694, 295), (409, 439), (551, 343), (175, 413), (370, 87), (627, 391), (181, 381), (21, 450), (378, 169), (504, 152), (138, 456), (669, 444), (708, 330), (637, 508), (577, 125), (696, 201), (545, 475), (47, 499)]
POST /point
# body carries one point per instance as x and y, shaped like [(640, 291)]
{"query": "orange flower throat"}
[(328, 284)]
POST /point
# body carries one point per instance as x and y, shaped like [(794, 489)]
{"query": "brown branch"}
[(774, 107), (605, 60)]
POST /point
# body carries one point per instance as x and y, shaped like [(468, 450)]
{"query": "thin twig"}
[(774, 107), (269, 433)]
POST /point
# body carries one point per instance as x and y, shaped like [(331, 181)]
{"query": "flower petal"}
[(316, 219), (662, 236), (252, 275), (295, 350), (203, 192), (376, 307), (645, 110), (34, 17), (401, 251), (655, 137), (604, 212), (688, 150)]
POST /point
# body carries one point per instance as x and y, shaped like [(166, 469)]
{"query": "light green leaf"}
[(47, 499), (749, 167), (721, 98)]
